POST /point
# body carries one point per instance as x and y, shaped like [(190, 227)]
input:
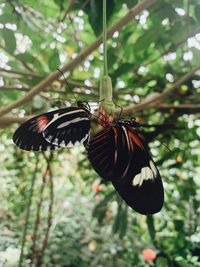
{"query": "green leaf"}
[(9, 39), (123, 68), (7, 18), (123, 221), (27, 57), (196, 56), (131, 3), (94, 10), (100, 209), (54, 61), (161, 262), (197, 12), (179, 225), (61, 3), (120, 222), (144, 41), (12, 95)]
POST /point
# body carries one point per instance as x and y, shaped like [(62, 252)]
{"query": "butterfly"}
[(64, 127), (121, 155)]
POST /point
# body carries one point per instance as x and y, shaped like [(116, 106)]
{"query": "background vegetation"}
[(75, 218)]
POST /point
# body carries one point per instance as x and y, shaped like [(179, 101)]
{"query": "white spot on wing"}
[(49, 137), (76, 143), (143, 175), (146, 174), (63, 144), (66, 123), (19, 144), (153, 167), (57, 116), (56, 141), (70, 144), (136, 180), (84, 138)]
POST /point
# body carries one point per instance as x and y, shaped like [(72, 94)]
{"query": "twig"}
[(31, 74), (49, 219), (37, 220), (28, 212), (85, 4), (11, 88), (71, 2), (78, 84), (82, 55), (69, 82), (159, 98), (8, 120), (182, 107), (21, 61), (75, 34)]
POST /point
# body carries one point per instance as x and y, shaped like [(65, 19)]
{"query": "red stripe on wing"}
[(135, 138), (42, 122)]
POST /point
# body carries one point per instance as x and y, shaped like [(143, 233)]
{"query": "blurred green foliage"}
[(91, 226)]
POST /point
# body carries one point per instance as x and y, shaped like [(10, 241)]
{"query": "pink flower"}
[(149, 254), (97, 187)]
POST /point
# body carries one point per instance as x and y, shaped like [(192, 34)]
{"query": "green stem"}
[(105, 40), (28, 214), (106, 82)]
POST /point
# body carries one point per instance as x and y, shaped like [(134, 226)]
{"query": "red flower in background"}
[(149, 254), (97, 187)]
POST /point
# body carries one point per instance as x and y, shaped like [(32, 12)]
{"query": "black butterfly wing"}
[(29, 135), (108, 158), (141, 187), (101, 153), (68, 129)]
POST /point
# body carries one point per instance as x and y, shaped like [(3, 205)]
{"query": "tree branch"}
[(69, 82), (183, 108), (23, 73), (82, 55), (150, 102), (31, 74), (5, 121)]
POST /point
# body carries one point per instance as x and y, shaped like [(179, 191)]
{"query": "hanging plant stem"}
[(105, 59), (107, 107)]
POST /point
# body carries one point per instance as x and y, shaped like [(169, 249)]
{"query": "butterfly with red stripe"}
[(120, 154), (64, 127)]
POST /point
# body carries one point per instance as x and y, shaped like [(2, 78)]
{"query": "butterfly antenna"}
[(66, 83), (166, 147), (121, 110), (101, 100)]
